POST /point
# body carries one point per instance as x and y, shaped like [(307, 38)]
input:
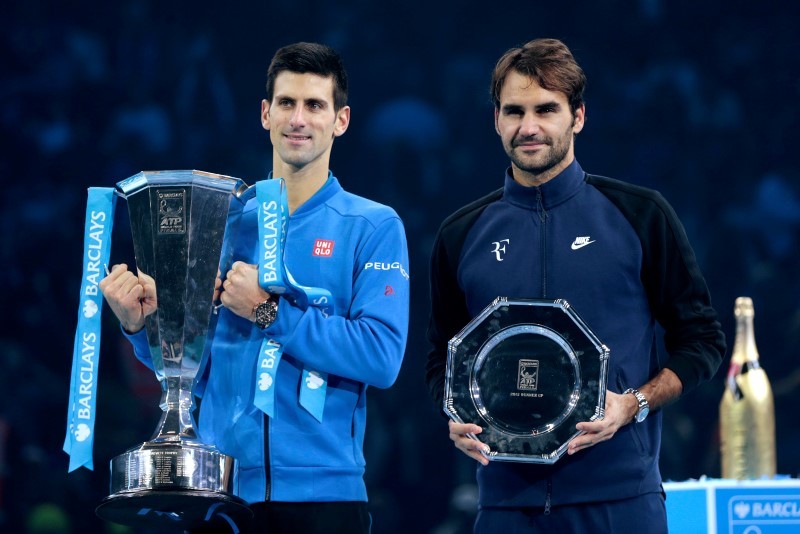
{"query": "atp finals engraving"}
[(527, 379), (172, 212)]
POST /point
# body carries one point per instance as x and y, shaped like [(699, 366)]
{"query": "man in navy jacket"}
[(619, 255)]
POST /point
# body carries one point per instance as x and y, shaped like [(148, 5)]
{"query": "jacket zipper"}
[(547, 498), (543, 219), (267, 474)]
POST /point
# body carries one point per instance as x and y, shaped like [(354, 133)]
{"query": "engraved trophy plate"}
[(526, 371), (178, 222)]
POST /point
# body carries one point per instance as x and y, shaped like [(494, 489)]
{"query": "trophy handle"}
[(244, 193)]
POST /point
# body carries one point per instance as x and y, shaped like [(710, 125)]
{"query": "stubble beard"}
[(536, 165)]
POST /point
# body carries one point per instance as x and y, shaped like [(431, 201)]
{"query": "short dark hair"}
[(313, 58), (549, 62)]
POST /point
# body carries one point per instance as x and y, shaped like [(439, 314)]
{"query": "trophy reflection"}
[(178, 223)]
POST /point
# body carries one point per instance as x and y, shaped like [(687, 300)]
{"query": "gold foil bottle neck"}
[(744, 345), (743, 307)]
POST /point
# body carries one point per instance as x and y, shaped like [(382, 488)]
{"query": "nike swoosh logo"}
[(576, 246)]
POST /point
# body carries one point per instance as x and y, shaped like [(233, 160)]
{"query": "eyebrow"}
[(311, 100), (508, 108), (552, 104)]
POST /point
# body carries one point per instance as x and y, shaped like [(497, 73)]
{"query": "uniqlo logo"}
[(323, 247)]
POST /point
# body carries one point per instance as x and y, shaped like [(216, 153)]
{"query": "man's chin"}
[(533, 167), (295, 159)]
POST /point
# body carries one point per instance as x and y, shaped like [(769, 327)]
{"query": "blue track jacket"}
[(356, 249)]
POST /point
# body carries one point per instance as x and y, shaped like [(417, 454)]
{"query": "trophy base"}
[(176, 509), (181, 483)]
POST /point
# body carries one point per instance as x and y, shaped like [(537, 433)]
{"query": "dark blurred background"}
[(696, 99)]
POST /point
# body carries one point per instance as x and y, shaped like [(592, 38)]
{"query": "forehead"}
[(520, 89), (303, 86)]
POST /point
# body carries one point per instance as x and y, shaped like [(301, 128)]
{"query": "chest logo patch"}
[(581, 242), (500, 248), (323, 247)]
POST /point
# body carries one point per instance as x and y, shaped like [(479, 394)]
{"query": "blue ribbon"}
[(275, 278), (79, 440)]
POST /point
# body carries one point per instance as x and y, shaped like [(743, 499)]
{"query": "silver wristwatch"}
[(644, 406), (265, 313)]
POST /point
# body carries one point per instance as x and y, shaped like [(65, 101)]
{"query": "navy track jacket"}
[(620, 256)]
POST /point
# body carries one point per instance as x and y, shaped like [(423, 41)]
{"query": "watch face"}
[(266, 312), (642, 414)]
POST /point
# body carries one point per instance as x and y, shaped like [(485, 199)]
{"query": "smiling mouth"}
[(530, 147), (530, 143), (296, 137)]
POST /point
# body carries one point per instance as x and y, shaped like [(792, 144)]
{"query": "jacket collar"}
[(323, 194), (551, 193)]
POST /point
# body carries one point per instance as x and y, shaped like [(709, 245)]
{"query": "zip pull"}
[(540, 206)]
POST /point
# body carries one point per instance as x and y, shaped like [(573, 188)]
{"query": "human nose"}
[(298, 118), (529, 125)]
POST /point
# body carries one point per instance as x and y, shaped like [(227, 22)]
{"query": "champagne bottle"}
[(747, 412)]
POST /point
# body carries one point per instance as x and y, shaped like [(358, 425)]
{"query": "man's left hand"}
[(620, 410), (240, 291)]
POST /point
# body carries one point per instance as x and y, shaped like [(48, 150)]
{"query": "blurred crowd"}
[(697, 102)]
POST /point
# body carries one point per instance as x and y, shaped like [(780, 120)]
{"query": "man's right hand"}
[(469, 446), (130, 297)]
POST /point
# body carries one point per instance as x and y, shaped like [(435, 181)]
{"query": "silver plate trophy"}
[(178, 222), (526, 371)]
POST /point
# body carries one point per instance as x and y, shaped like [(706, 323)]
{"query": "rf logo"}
[(500, 247)]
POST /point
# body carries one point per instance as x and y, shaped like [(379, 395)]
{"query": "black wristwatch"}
[(265, 313), (644, 406)]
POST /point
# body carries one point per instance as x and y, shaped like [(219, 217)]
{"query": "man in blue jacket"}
[(619, 255), (300, 474)]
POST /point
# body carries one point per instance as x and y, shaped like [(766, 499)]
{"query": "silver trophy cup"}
[(179, 220)]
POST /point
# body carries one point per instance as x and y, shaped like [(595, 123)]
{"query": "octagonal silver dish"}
[(526, 371)]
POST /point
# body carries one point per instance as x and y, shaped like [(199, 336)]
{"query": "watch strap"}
[(644, 406)]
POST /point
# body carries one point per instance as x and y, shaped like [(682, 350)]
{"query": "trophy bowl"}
[(526, 371)]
